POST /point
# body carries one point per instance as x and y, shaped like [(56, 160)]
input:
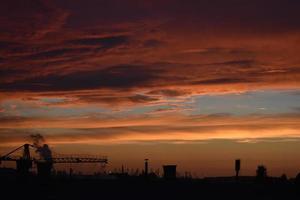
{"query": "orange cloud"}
[(118, 62), (176, 128)]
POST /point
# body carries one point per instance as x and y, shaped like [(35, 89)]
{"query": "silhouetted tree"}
[(261, 173), (284, 177), (297, 179)]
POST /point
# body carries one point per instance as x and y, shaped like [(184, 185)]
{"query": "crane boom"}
[(79, 160), (24, 162)]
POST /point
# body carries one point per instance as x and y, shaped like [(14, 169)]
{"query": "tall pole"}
[(237, 168), (26, 152), (146, 167)]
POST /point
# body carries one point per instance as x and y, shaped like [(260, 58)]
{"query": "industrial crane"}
[(44, 165)]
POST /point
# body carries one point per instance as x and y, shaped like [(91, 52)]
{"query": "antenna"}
[(146, 167), (237, 167)]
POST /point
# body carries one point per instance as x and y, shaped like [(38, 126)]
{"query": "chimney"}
[(26, 152), (146, 167), (237, 168)]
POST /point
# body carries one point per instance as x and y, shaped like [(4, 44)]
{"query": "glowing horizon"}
[(109, 73)]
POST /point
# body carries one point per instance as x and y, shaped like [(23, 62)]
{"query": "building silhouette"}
[(261, 173), (169, 172)]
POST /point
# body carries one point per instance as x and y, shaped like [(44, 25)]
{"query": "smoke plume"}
[(42, 149)]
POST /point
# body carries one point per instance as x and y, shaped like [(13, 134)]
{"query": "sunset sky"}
[(196, 83)]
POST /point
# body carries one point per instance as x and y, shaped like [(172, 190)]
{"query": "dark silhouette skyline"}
[(45, 164), (48, 182), (149, 99)]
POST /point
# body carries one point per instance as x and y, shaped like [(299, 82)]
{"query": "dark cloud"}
[(13, 119), (116, 99), (152, 43), (58, 53), (29, 20), (249, 15), (237, 63), (104, 42), (51, 46), (10, 72), (219, 51), (117, 77), (7, 44), (168, 92), (254, 17), (142, 99), (223, 81), (149, 76)]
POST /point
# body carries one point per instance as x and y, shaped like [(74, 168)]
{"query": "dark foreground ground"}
[(145, 189)]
